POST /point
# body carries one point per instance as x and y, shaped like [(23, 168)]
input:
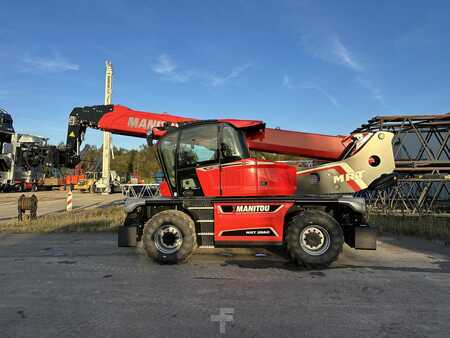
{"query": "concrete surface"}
[(62, 285), (54, 201)]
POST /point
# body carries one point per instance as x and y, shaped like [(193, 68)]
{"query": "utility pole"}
[(106, 174)]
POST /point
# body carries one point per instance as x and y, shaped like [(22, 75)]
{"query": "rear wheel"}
[(169, 237), (314, 239)]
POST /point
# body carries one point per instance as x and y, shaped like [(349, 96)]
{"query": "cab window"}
[(198, 146), (233, 146)]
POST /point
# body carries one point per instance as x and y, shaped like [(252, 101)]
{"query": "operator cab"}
[(212, 159)]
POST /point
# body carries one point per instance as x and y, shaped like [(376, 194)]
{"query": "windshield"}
[(168, 147), (232, 147)]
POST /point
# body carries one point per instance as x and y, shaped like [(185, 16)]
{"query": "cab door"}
[(197, 166)]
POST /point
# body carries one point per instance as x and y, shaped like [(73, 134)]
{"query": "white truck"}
[(114, 183)]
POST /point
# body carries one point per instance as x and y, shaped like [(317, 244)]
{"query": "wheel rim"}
[(168, 239), (315, 240)]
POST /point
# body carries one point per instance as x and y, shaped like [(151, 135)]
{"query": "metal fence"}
[(141, 190)]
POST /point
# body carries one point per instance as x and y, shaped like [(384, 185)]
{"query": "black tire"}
[(34, 187), (314, 239), (164, 228)]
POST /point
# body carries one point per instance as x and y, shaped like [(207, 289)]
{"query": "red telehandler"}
[(215, 194)]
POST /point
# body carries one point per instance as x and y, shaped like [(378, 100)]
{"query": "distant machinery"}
[(422, 157), (23, 157)]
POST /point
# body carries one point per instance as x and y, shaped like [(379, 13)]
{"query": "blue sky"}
[(318, 66)]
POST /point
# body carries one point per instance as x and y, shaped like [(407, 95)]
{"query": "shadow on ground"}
[(441, 267)]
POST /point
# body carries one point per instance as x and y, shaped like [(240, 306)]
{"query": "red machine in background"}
[(215, 193)]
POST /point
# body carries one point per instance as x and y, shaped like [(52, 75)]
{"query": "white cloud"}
[(344, 56), (329, 48), (287, 81), (325, 93), (165, 65), (374, 91), (168, 70), (319, 38), (56, 64), (235, 72)]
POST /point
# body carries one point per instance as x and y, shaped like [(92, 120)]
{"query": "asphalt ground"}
[(60, 285), (55, 201)]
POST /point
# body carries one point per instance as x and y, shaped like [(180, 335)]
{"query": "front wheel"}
[(314, 239), (169, 237)]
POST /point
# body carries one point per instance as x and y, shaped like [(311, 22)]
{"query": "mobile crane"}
[(215, 194)]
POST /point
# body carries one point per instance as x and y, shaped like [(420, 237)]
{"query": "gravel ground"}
[(83, 285)]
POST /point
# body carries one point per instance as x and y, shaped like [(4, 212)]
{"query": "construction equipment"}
[(88, 183), (24, 159), (53, 179), (215, 194), (22, 162), (111, 185)]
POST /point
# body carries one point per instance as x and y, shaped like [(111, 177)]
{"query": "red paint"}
[(73, 179), (126, 121), (123, 120), (251, 177), (247, 177), (226, 221), (164, 189), (310, 145), (209, 178)]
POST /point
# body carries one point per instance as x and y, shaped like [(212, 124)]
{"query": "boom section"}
[(122, 120)]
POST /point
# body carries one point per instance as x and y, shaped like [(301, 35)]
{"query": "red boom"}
[(122, 120)]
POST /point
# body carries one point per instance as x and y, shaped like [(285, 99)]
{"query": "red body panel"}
[(164, 189), (238, 222), (251, 177), (209, 178), (247, 177)]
